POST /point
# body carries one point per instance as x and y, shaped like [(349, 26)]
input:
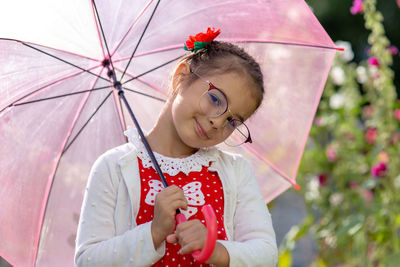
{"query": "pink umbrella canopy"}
[(59, 110)]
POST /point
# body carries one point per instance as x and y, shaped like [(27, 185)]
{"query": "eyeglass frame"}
[(213, 87)]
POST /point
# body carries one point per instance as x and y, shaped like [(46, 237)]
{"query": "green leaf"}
[(392, 260), (285, 259)]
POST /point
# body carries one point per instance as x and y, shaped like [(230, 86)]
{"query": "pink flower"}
[(398, 3), (318, 121), (368, 111), (395, 138), (397, 114), (322, 178), (383, 157), (331, 154), (379, 170), (393, 50), (357, 7), (373, 61), (353, 184), (368, 196), (370, 135)]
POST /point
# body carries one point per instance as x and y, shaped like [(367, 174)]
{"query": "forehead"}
[(240, 91)]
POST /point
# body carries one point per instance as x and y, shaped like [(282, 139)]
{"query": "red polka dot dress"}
[(201, 186)]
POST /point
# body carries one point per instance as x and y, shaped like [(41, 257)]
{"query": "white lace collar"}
[(172, 166)]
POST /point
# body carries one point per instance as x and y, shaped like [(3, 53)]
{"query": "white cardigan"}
[(108, 234)]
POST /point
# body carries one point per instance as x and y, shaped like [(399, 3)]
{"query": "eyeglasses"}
[(214, 103)]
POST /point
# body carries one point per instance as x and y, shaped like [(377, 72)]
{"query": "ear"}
[(180, 74)]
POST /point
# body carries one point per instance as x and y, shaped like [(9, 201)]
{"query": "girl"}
[(128, 218)]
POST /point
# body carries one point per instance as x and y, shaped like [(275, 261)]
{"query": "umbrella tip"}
[(296, 186), (340, 48), (105, 62)]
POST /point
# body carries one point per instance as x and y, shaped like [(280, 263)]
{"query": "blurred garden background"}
[(347, 211)]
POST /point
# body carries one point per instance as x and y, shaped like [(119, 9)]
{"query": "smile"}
[(200, 131)]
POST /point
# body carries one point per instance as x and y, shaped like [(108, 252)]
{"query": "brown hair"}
[(223, 57)]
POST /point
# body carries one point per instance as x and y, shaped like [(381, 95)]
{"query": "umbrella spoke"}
[(131, 27), (60, 59), (87, 122), (102, 33), (140, 39), (144, 94), (64, 95), (42, 88), (153, 69)]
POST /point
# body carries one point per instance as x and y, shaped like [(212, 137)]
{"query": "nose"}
[(218, 122)]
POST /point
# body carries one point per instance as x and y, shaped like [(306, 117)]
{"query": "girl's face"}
[(194, 128)]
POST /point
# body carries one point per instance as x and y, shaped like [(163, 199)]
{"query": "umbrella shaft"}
[(121, 94)]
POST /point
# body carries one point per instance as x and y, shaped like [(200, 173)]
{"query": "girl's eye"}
[(215, 100), (233, 123)]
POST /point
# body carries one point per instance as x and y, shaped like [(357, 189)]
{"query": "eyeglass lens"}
[(213, 103)]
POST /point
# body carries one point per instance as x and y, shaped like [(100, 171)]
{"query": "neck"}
[(164, 139)]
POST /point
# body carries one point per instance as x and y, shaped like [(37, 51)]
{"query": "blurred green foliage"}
[(340, 24), (350, 171)]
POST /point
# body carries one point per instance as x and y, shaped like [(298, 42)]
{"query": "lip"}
[(200, 131)]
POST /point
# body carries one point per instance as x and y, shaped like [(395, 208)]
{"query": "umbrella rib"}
[(140, 93), (87, 122), (41, 88), (54, 48), (130, 28), (153, 69), (102, 33), (59, 96), (72, 64), (146, 83), (140, 39), (56, 165), (180, 46)]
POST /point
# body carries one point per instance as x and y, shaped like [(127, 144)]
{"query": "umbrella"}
[(60, 109)]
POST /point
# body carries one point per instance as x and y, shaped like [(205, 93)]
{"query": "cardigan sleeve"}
[(97, 243), (254, 242)]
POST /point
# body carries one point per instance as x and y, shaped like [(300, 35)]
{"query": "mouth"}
[(200, 131)]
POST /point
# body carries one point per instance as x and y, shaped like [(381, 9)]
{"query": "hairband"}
[(201, 40)]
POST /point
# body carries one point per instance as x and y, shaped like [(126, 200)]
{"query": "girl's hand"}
[(191, 235), (166, 203)]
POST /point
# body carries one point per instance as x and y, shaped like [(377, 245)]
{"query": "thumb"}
[(172, 238)]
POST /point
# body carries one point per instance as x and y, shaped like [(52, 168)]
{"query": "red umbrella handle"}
[(211, 223)]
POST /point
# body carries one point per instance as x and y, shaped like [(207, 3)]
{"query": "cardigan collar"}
[(169, 165)]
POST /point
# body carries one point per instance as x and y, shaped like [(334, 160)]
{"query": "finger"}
[(195, 224), (172, 238), (178, 204), (190, 247)]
